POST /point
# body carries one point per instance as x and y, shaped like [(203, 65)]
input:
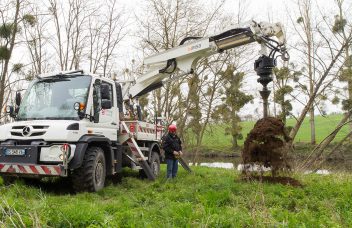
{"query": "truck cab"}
[(68, 123)]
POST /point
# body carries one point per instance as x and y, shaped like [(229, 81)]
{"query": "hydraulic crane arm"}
[(184, 58)]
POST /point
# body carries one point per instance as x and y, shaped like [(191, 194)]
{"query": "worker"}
[(173, 150)]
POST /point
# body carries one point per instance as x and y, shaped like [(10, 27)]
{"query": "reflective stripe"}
[(40, 170), (45, 169), (53, 170), (28, 169), (5, 168), (34, 170), (57, 169), (21, 167)]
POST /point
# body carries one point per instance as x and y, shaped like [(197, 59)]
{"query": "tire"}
[(8, 180), (91, 175), (154, 164)]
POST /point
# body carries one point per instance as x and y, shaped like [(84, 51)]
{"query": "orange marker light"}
[(82, 106)]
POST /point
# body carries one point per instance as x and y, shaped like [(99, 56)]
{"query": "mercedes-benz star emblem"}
[(26, 131)]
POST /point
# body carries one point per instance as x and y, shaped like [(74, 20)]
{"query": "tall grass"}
[(207, 198)]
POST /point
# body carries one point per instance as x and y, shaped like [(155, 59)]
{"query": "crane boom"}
[(184, 58)]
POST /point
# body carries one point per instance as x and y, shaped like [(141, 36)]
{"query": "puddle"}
[(236, 164), (253, 168), (224, 165), (319, 171), (250, 167)]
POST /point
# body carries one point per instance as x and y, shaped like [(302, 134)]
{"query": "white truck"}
[(73, 124)]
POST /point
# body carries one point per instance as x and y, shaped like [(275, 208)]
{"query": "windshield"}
[(54, 98)]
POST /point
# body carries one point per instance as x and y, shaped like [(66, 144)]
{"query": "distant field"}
[(216, 140)]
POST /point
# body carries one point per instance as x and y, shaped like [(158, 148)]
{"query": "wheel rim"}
[(99, 172)]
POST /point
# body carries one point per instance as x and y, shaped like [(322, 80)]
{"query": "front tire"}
[(91, 175)]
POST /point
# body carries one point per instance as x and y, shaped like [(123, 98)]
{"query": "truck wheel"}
[(91, 175), (154, 164)]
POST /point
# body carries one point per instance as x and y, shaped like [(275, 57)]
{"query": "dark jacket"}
[(171, 143)]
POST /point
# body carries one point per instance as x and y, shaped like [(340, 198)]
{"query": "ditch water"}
[(236, 163)]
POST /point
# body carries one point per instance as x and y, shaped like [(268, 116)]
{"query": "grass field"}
[(207, 198), (216, 140)]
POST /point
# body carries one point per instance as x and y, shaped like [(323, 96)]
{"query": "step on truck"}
[(86, 127)]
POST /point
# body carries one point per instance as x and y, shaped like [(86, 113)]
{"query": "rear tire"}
[(92, 174), (154, 165)]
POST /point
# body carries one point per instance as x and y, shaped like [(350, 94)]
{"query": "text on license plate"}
[(16, 152)]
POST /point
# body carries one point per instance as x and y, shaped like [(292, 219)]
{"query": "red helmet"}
[(172, 128)]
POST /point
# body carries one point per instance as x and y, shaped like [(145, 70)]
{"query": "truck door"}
[(108, 115)]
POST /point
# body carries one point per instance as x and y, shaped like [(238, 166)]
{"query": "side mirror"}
[(105, 92), (18, 98), (106, 104)]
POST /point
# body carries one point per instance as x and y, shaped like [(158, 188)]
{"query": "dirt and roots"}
[(267, 146), (273, 180)]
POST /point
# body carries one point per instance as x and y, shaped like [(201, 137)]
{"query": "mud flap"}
[(184, 164)]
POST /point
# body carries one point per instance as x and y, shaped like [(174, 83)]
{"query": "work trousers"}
[(172, 167)]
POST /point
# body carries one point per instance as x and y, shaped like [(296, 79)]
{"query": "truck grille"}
[(29, 131)]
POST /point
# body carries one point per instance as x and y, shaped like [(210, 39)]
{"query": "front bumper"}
[(32, 169)]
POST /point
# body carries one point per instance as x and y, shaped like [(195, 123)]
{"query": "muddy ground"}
[(273, 180)]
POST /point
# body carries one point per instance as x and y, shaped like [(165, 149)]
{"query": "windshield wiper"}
[(26, 119), (47, 118), (54, 79), (59, 118)]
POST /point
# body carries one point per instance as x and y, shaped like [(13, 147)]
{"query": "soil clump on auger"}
[(267, 145)]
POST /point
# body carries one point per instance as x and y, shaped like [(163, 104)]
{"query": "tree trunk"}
[(7, 61), (312, 126), (234, 142), (305, 110), (283, 110), (310, 75), (318, 150)]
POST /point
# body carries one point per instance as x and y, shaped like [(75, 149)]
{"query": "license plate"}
[(15, 152)]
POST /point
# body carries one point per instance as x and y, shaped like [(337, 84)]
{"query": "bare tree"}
[(166, 25), (335, 56), (69, 31), (325, 57), (37, 40), (343, 32), (115, 32), (11, 17), (305, 21)]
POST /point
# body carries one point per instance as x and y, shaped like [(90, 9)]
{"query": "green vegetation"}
[(216, 140), (209, 197)]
